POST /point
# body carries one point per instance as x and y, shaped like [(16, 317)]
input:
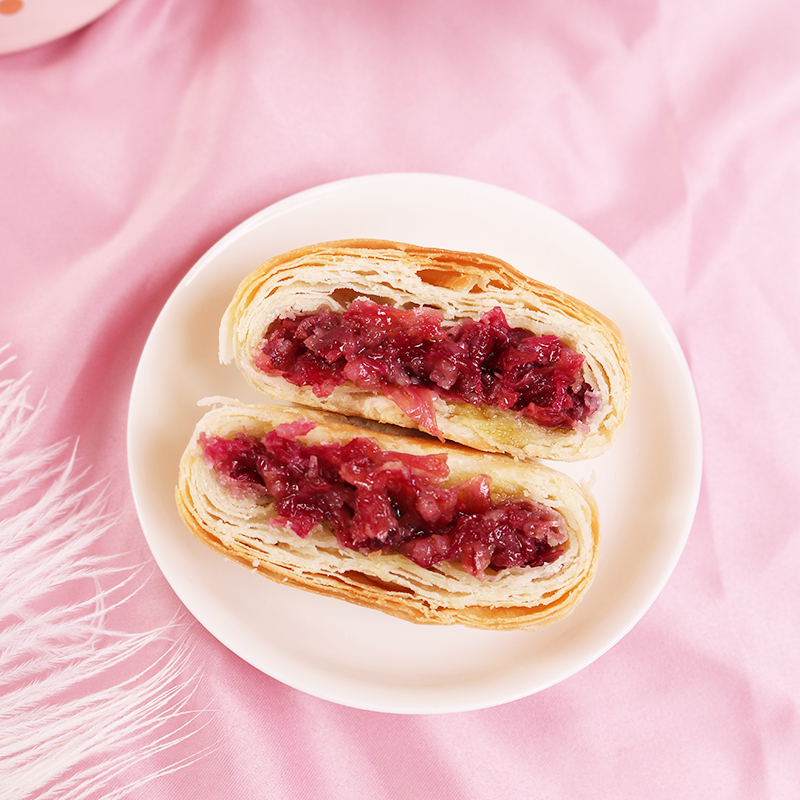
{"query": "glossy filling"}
[(412, 357), (378, 500)]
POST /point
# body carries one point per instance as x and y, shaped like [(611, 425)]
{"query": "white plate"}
[(29, 23), (646, 487)]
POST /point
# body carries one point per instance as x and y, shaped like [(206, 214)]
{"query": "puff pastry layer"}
[(242, 528), (461, 286)]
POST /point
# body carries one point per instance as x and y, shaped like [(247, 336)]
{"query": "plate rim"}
[(22, 37)]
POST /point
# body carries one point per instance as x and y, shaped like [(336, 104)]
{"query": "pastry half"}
[(508, 544), (460, 345)]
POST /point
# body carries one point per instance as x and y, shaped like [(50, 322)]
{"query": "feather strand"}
[(77, 708)]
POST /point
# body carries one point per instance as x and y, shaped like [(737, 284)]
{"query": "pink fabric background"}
[(670, 129)]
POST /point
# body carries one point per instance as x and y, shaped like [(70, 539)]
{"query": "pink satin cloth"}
[(670, 130)]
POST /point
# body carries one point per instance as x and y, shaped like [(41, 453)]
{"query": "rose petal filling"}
[(379, 500), (412, 357)]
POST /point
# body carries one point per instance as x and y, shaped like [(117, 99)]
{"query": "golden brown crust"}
[(239, 528), (461, 285)]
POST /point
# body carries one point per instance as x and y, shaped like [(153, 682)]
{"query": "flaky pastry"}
[(458, 286), (246, 528)]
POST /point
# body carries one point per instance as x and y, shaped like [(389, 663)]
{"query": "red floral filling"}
[(379, 500), (411, 357)]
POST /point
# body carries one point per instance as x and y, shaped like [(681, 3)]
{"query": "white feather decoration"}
[(80, 705)]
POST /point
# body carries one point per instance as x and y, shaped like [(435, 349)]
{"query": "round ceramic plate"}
[(29, 23), (646, 487)]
